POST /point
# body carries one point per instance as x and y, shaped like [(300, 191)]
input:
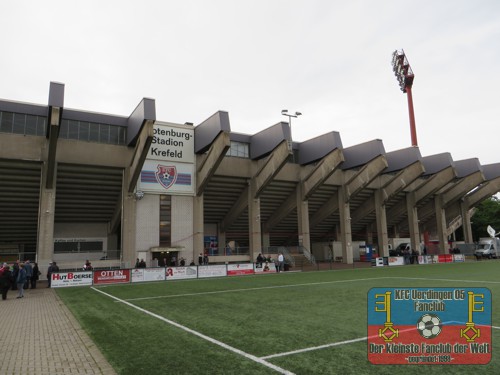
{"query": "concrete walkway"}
[(38, 335)]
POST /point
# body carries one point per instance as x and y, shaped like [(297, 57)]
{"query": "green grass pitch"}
[(253, 324)]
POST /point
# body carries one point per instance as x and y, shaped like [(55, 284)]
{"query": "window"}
[(238, 149), (6, 123), (93, 132), (21, 123), (165, 220)]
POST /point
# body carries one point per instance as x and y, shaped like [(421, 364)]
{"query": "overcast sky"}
[(330, 60)]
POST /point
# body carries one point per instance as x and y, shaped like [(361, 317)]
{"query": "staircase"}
[(457, 222)]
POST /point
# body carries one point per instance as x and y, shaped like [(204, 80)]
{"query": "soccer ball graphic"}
[(429, 326)]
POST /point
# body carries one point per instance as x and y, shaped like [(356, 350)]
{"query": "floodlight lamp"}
[(298, 114), (139, 194), (284, 111)]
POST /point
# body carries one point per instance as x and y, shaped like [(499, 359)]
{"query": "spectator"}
[(20, 281), (29, 274), (281, 262), (36, 275), (15, 271), (87, 266), (137, 263), (414, 256), (5, 280), (53, 268), (200, 259), (142, 264), (205, 259), (260, 259), (183, 262), (49, 274)]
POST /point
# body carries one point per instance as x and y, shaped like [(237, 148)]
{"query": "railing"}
[(215, 251), (308, 255)]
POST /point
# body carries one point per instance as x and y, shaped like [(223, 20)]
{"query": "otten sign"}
[(111, 276)]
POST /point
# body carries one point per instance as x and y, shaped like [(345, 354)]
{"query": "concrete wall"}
[(147, 222), (80, 230), (182, 226)]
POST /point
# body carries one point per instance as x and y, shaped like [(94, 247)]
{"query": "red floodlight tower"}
[(405, 76)]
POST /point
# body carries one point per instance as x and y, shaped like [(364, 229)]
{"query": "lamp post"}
[(284, 112), (404, 74)]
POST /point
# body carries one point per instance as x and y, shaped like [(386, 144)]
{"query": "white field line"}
[(447, 280), (251, 289), (204, 337), (312, 348)]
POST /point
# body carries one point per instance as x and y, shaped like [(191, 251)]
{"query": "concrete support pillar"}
[(266, 242), (198, 227), (254, 225), (411, 208), (441, 225), (221, 239), (466, 225), (129, 250), (345, 227), (380, 212), (45, 241), (369, 234), (303, 220)]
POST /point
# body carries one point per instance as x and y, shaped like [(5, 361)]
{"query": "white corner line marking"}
[(253, 289), (201, 335), (314, 348)]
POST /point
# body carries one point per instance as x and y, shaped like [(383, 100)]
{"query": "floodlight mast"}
[(405, 76)]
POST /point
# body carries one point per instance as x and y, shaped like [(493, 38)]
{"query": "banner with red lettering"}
[(111, 276), (64, 279), (240, 269)]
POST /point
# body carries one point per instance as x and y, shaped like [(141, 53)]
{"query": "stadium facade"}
[(76, 184)]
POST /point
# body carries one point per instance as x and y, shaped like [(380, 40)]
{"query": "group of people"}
[(203, 259), (279, 264), (19, 276), (410, 256)]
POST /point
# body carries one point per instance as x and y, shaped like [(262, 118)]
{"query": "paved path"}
[(26, 323)]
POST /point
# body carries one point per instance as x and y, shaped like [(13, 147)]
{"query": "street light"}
[(284, 112), (404, 74)]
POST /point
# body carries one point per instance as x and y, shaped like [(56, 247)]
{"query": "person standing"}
[(15, 271), (281, 262), (36, 275), (21, 280), (49, 274), (5, 280), (29, 274)]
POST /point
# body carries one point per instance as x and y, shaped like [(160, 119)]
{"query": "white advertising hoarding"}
[(211, 271), (147, 274), (64, 279), (177, 273)]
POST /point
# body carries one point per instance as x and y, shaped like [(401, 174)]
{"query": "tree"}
[(487, 213)]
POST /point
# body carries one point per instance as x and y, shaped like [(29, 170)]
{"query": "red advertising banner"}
[(111, 276), (240, 269)]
